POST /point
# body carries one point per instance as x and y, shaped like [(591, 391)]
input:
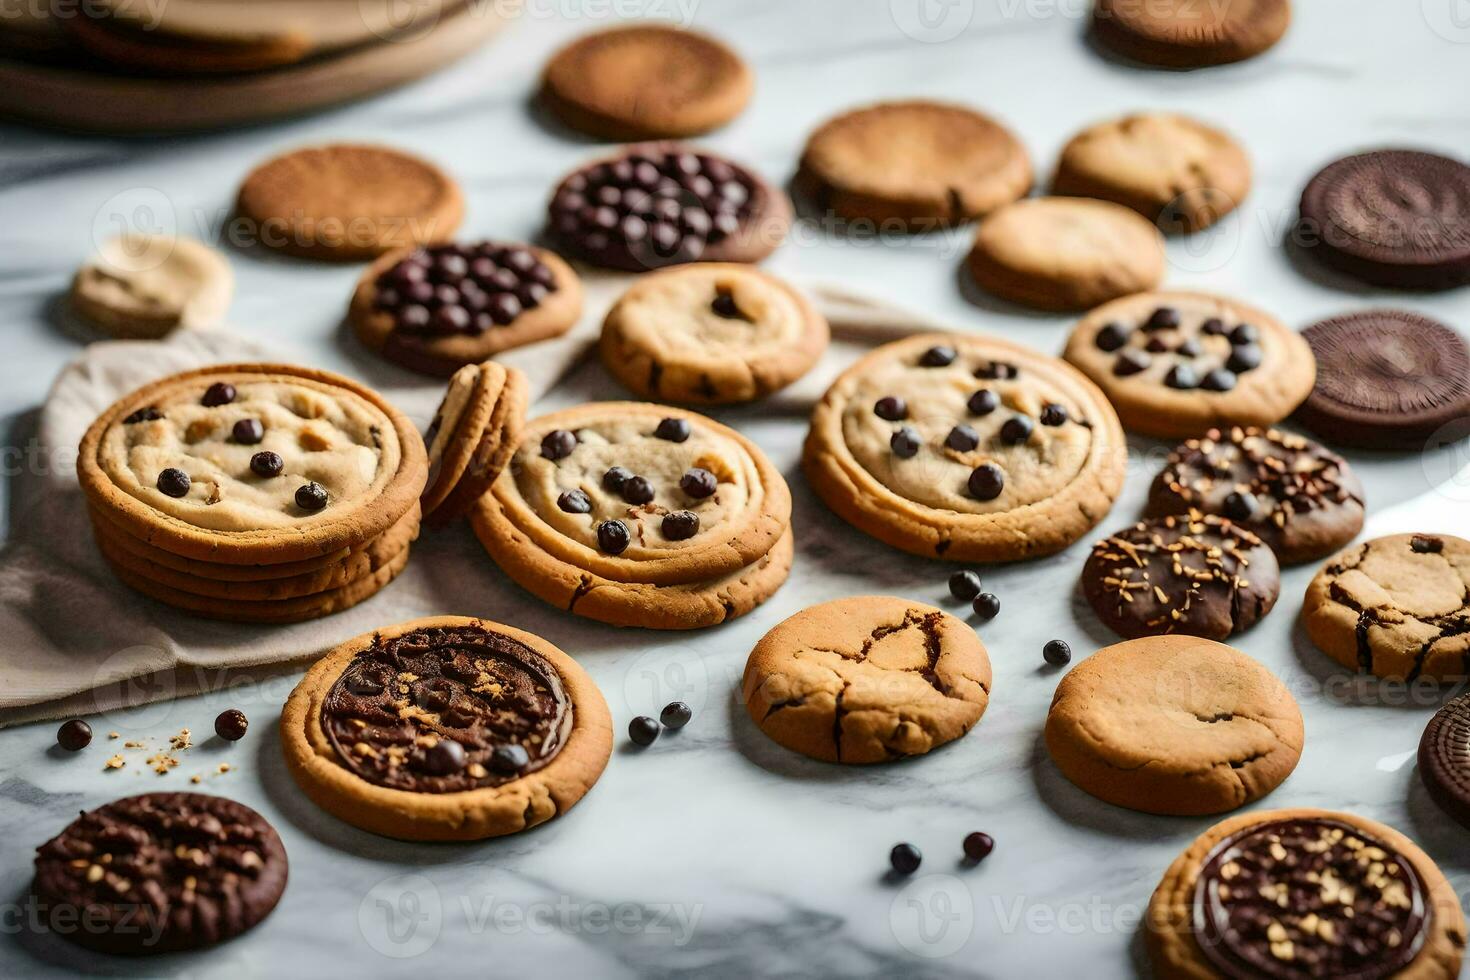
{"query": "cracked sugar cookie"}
[(446, 728), (1396, 606), (967, 448), (1175, 725), (867, 679)]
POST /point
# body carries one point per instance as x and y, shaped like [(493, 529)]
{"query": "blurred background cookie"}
[(1187, 33), (145, 286)]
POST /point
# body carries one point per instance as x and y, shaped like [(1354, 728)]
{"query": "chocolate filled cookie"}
[(1299, 497), (1444, 758), (438, 308), (1190, 33), (1304, 893), (1397, 606), (660, 204), (446, 728), (160, 873), (1193, 574)]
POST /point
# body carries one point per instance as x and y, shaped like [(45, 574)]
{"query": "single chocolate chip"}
[(614, 479), (248, 432), (643, 730), (558, 444), (1163, 318), (1053, 414), (962, 439), (983, 402), (1156, 345), (676, 715), (978, 846), (698, 483), (891, 408), (986, 606), (574, 502), (143, 415), (1218, 380), (74, 736), (1239, 506), (450, 319), (1057, 653), (219, 393), (612, 537), (940, 356), (1421, 545), (998, 370), (503, 308), (1131, 361), (681, 525), (986, 481), (724, 303), (173, 482), (905, 858), (964, 585), (1245, 333), (1111, 337), (1213, 327), (905, 443), (267, 464), (1182, 376), (1246, 357), (1017, 429), (509, 759), (637, 490), (311, 496), (673, 430), (1190, 348), (231, 724), (445, 758)]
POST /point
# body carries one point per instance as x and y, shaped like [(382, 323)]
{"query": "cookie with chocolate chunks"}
[(1444, 758), (160, 873), (1299, 497), (1190, 33)]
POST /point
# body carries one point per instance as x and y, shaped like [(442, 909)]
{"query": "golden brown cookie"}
[(475, 429), (145, 286), (967, 448), (1174, 170), (1176, 725), (1396, 607), (1066, 253), (1176, 365), (922, 164), (646, 82), (711, 334), (1190, 33), (130, 33), (446, 728), (348, 202), (1364, 901), (867, 679)]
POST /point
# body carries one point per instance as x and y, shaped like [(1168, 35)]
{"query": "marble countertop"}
[(715, 850)]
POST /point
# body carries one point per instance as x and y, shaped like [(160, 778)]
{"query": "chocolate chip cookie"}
[(867, 679), (1397, 606), (160, 873), (146, 286), (1299, 497), (1304, 893), (446, 728), (1176, 365), (1444, 758), (1175, 725), (967, 448), (1190, 33), (475, 429), (711, 333)]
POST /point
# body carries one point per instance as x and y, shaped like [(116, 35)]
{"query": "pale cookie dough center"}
[(674, 317), (1423, 589)]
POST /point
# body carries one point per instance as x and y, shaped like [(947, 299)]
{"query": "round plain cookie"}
[(446, 728), (475, 429), (1397, 218), (1444, 758), (920, 164), (1172, 169), (1196, 575), (1299, 497), (1365, 901), (1175, 725), (1176, 365), (711, 333), (1386, 379), (1190, 33), (347, 202), (324, 429), (1395, 607), (1066, 253), (145, 286), (646, 82), (439, 308), (966, 448), (658, 204), (131, 33), (867, 679), (160, 873)]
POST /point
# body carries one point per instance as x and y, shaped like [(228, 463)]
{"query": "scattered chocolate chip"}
[(905, 858), (614, 479), (681, 525), (1130, 361), (1213, 327), (311, 496), (1190, 348), (986, 481), (219, 393), (509, 759), (1239, 506), (1246, 357), (673, 430), (724, 306), (986, 606), (247, 432), (978, 846), (964, 585), (1421, 545), (612, 537), (698, 483), (637, 490), (1182, 376), (558, 444), (1057, 653), (905, 443), (574, 502), (445, 758), (983, 402), (231, 724), (74, 736), (1163, 318), (676, 715), (267, 464), (1218, 380), (997, 370), (173, 482), (1053, 414), (1156, 345), (1245, 333), (891, 408), (962, 439), (1111, 337), (148, 414), (643, 730), (1016, 430), (940, 356)]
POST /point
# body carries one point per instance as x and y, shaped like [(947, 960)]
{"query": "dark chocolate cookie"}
[(1391, 217), (1299, 497), (160, 872), (1197, 575), (1444, 758), (1386, 379), (660, 204)]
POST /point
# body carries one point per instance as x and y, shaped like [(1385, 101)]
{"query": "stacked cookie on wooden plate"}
[(254, 492)]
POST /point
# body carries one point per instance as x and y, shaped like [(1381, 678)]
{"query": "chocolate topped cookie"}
[(160, 873), (1444, 758), (1195, 574), (1299, 497), (660, 204), (1190, 33), (446, 729), (1397, 218), (1386, 379)]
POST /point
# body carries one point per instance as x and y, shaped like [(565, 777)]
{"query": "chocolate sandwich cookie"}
[(1444, 758), (917, 165), (475, 429), (1397, 606), (1299, 497), (867, 679), (1174, 725), (1190, 33), (160, 873), (711, 333), (1176, 365), (446, 728), (346, 202), (1304, 893), (659, 204), (1386, 379), (967, 448), (1195, 574), (646, 82), (438, 308), (1398, 218)]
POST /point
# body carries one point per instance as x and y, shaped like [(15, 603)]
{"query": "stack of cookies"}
[(255, 493)]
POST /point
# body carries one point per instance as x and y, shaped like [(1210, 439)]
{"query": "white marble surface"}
[(715, 850)]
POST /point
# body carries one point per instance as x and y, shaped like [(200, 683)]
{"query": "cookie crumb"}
[(116, 762)]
